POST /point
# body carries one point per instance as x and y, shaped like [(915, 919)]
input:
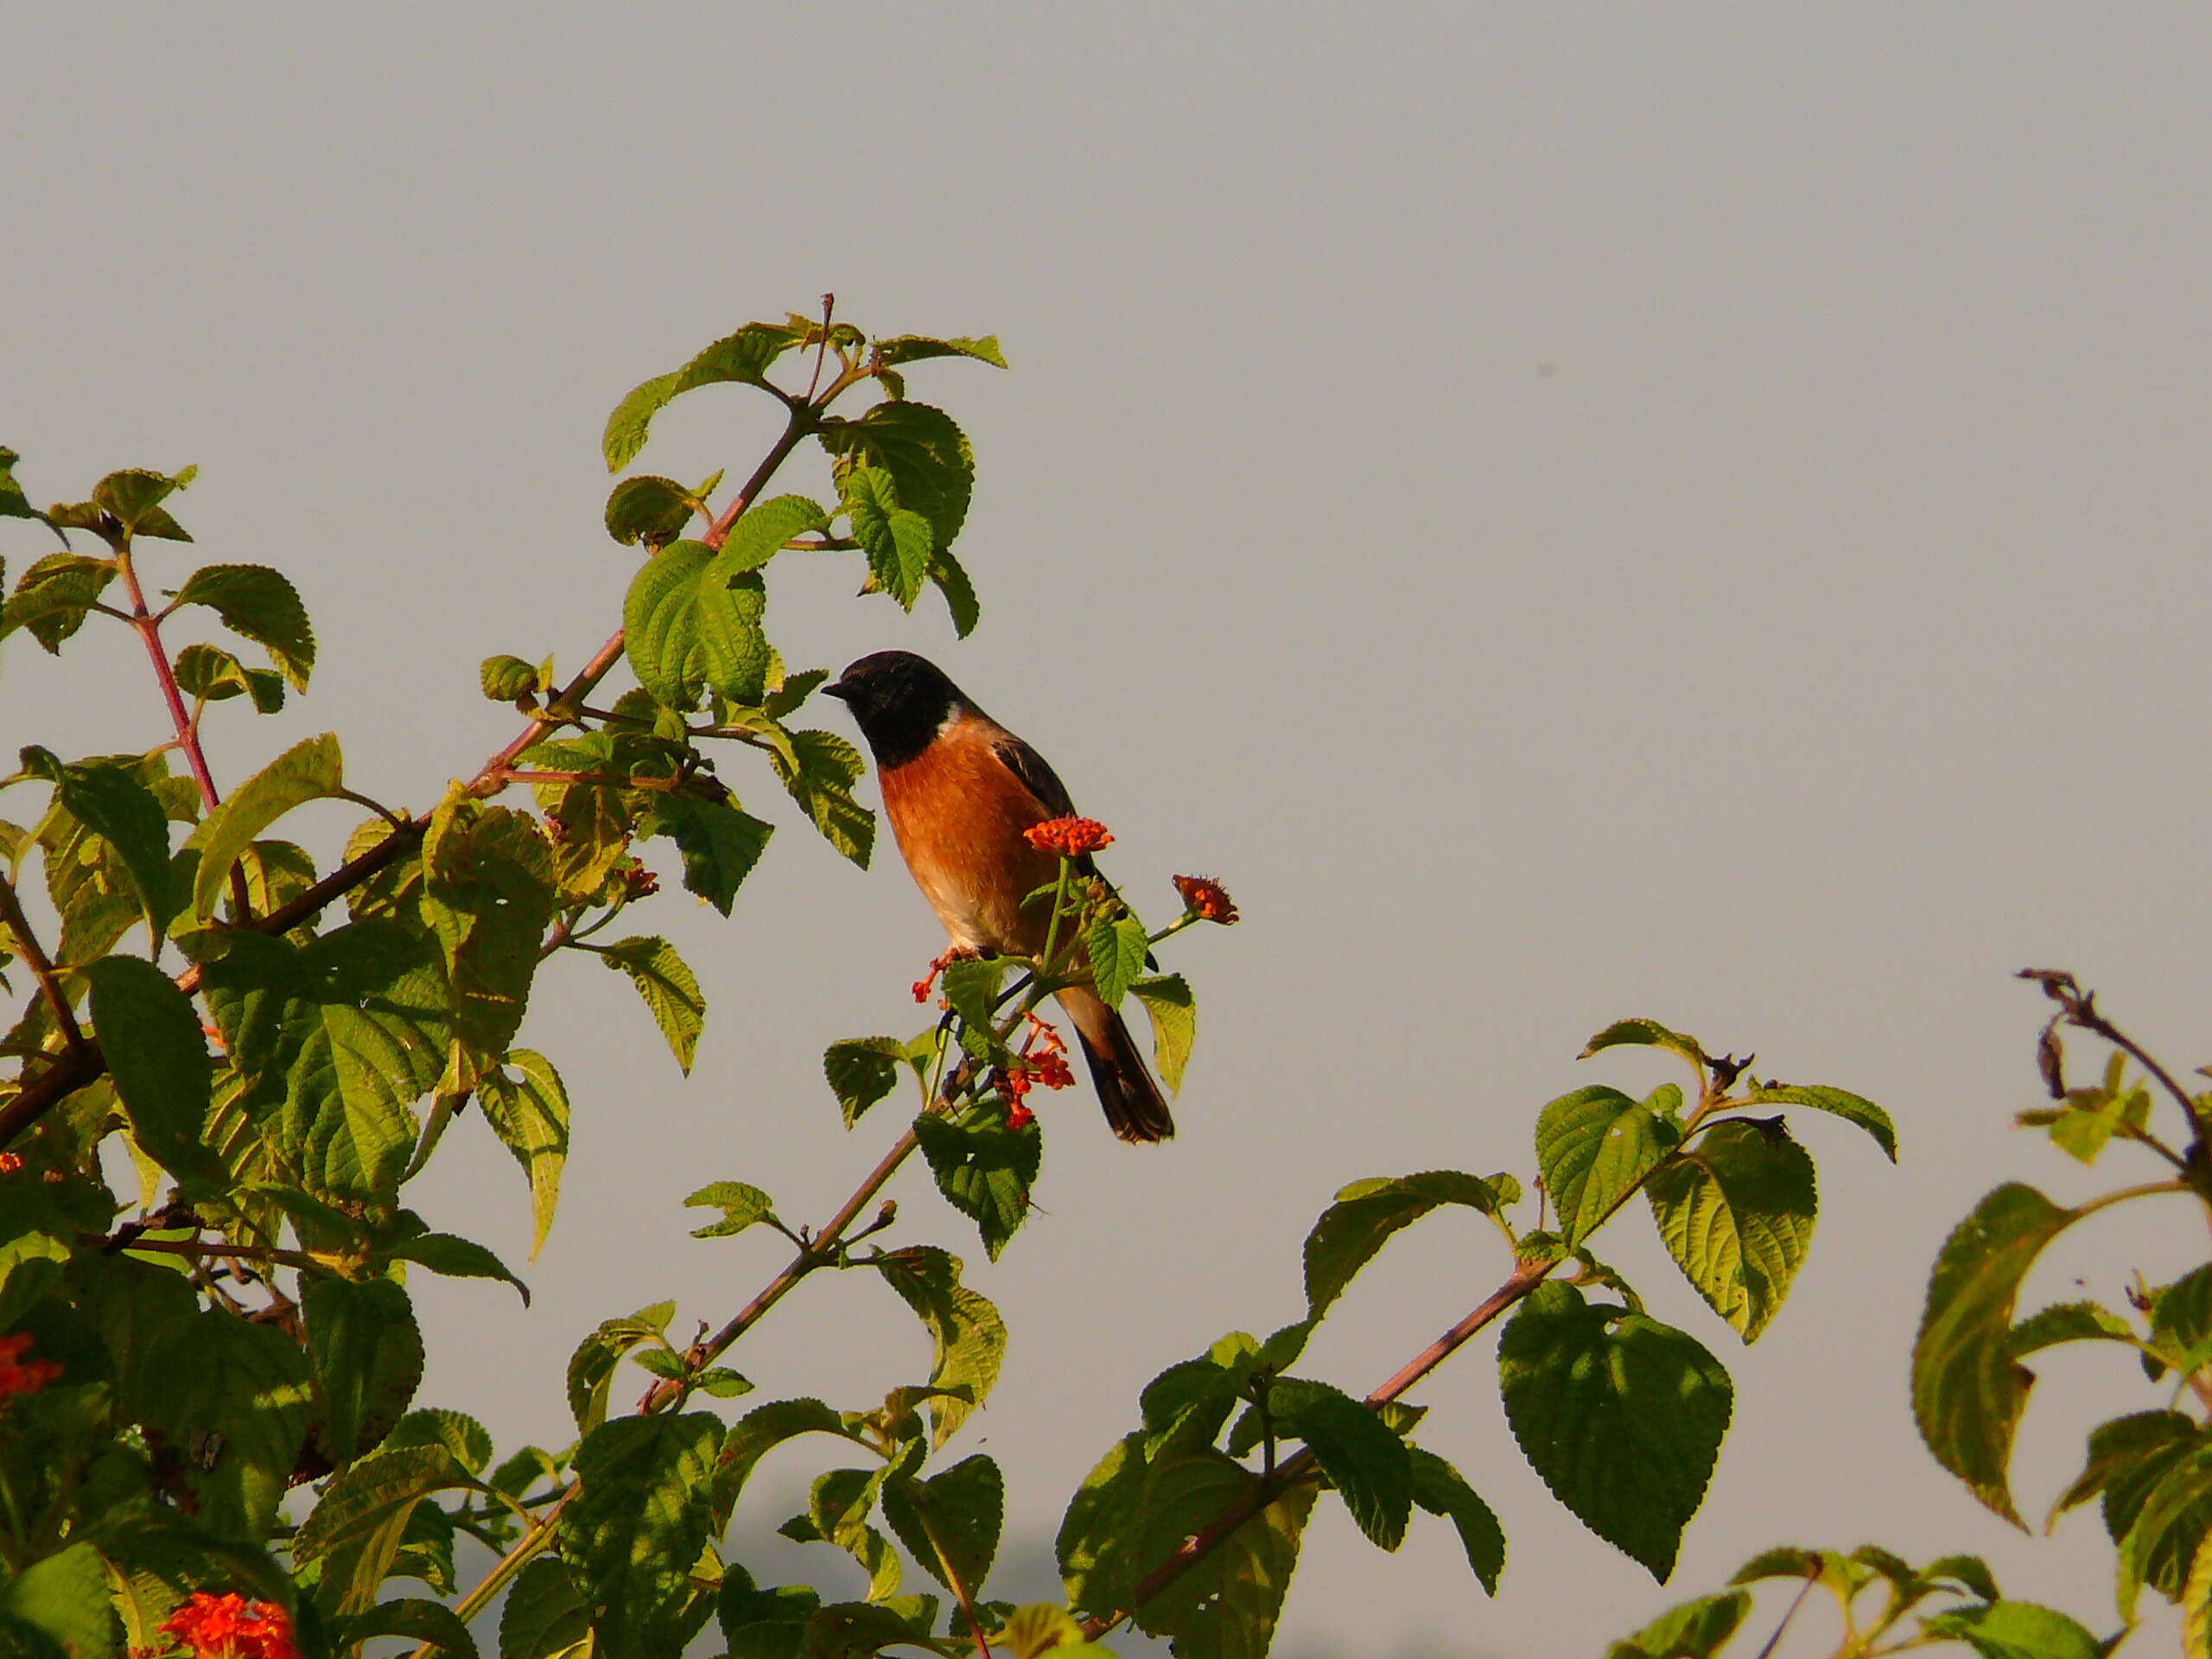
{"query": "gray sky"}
[(1571, 512)]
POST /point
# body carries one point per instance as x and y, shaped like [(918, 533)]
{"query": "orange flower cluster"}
[(1044, 1060), (230, 1627), (1069, 837), (1205, 898), (10, 1162), (20, 1376)]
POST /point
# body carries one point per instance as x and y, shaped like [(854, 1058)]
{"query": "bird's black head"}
[(900, 701)]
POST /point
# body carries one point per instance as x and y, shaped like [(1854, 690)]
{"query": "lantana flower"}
[(1069, 837), (1206, 898)]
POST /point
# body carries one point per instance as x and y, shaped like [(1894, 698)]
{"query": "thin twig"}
[(1775, 1641), (41, 967)]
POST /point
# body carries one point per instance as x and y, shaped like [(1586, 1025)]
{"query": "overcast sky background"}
[(1571, 512)]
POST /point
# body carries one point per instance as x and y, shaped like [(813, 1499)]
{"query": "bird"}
[(959, 790)]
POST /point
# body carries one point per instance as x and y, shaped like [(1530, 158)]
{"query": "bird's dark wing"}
[(1039, 778)]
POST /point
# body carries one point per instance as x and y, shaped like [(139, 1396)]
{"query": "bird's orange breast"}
[(958, 812)]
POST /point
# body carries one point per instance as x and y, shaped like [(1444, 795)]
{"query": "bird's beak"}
[(838, 690)]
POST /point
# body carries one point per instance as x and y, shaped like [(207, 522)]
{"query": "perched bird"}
[(959, 790)]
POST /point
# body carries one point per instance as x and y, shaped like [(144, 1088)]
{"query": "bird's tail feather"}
[(1135, 1109)]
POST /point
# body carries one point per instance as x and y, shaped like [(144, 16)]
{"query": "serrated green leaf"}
[(670, 988), (660, 623), (1099, 1536), (1368, 1464), (488, 895), (237, 1393), (759, 1431), (635, 1529), (1594, 1146), (1840, 1103), (925, 453), (861, 1070), (418, 1619), (742, 1206), (734, 653), (760, 532), (2066, 1322), (985, 1170), (456, 1258), (720, 844), (134, 497), (952, 580), (157, 1054), (898, 541), (821, 783), (1367, 1214), (529, 1114), (503, 679), (310, 770), (914, 348), (1174, 1008), (1227, 1604), (65, 1598), (2015, 1630), (116, 805), (951, 1523), (632, 417), (2166, 1502), (654, 510), (1693, 1629), (1647, 1033), (1621, 1415), (54, 596), (358, 1527), (211, 672), (1968, 1391), (1440, 1489), (544, 1618), (1736, 1210), (966, 1332), (591, 1368), (261, 605), (1117, 948), (366, 1351)]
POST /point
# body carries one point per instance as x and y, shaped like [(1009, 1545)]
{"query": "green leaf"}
[(419, 1620), (1440, 1489), (952, 581), (1968, 1391), (2015, 1630), (760, 532), (1849, 1106), (821, 783), (544, 1618), (235, 1400), (950, 1523), (742, 1206), (2166, 1502), (591, 1368), (923, 449), (652, 509), (158, 1058), (14, 503), (1368, 1464), (1227, 1605), (1622, 1417), (210, 671), (134, 497), (65, 1598), (360, 1524), (1695, 1630), (456, 1258), (913, 348), (1736, 1209), (367, 1354), (1647, 1033), (635, 1529), (2127, 1455), (1365, 1216), (503, 679), (861, 1070), (720, 844), (1174, 1010), (898, 542), (734, 653), (261, 605), (971, 987), (34, 1250), (660, 623), (487, 894), (1099, 1536), (1594, 1146), (759, 1431), (306, 772), (985, 1168), (116, 805), (1118, 947), (670, 988), (52, 597), (632, 416), (2066, 1322), (966, 1332), (529, 1114)]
